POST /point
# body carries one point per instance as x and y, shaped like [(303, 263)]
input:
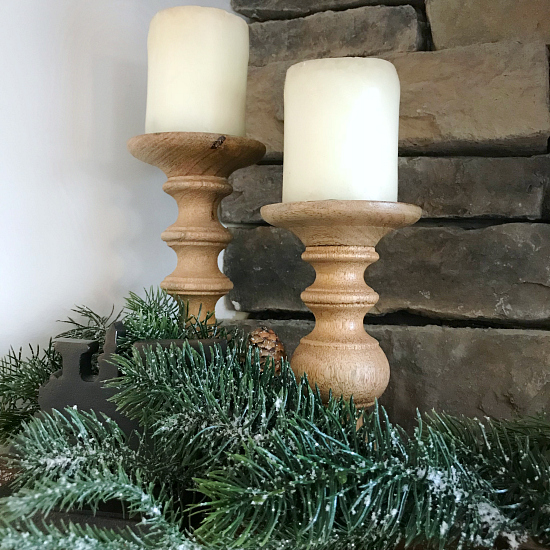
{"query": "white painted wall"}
[(80, 218)]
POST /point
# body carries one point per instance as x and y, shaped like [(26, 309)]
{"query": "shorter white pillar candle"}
[(341, 130), (198, 64)]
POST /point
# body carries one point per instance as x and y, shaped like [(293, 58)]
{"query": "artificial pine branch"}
[(84, 489), (311, 489), (70, 443), (161, 316), (199, 413), (93, 326), (25, 535), (20, 379), (156, 316), (159, 527), (514, 456)]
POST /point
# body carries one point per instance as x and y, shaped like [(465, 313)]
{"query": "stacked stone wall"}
[(464, 311)]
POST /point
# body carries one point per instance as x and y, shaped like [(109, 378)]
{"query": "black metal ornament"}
[(76, 384)]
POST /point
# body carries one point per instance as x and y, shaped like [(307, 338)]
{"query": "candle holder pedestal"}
[(340, 237), (197, 166)]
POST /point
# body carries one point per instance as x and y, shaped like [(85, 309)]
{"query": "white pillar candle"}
[(341, 130), (198, 63)]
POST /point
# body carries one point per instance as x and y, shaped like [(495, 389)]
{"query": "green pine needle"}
[(158, 523), (514, 456), (63, 444), (160, 316), (93, 326), (20, 380), (212, 409), (26, 535)]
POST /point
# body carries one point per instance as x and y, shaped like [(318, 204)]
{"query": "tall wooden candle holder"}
[(340, 237), (197, 166)]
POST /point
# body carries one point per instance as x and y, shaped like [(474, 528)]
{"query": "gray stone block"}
[(499, 273), (478, 21), (485, 99), (268, 259), (459, 187), (476, 187), (475, 372), (262, 10), (253, 188), (359, 32)]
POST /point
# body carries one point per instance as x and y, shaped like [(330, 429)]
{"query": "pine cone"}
[(269, 345)]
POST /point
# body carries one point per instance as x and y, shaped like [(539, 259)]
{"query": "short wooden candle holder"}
[(340, 237), (197, 166)]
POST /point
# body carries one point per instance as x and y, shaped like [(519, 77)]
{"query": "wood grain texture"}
[(340, 237), (197, 166)]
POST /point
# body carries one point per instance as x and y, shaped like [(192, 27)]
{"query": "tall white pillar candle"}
[(341, 130), (198, 62)]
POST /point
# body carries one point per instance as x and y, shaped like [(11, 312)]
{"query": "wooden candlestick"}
[(197, 166), (340, 237)]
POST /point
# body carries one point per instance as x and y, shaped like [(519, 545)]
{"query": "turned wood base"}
[(197, 166), (340, 237)]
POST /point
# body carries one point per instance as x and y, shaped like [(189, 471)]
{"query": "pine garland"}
[(233, 455)]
